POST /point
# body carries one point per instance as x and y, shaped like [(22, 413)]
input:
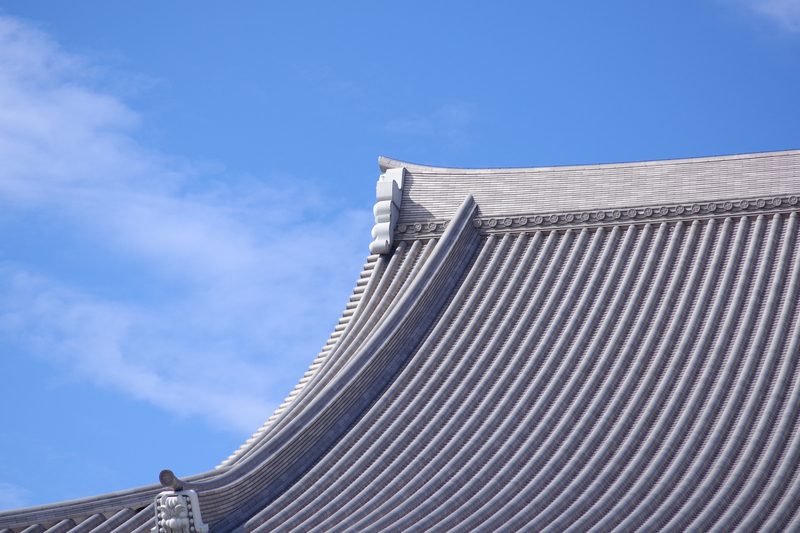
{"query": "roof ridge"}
[(386, 163)]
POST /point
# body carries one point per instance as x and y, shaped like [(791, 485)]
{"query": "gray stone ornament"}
[(178, 512), (388, 197)]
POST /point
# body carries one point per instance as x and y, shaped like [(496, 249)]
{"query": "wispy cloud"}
[(450, 122), (13, 497), (784, 12), (183, 281)]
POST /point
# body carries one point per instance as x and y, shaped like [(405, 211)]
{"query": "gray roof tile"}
[(623, 374)]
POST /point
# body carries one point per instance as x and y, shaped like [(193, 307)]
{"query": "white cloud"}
[(13, 497), (450, 122), (785, 12), (221, 274)]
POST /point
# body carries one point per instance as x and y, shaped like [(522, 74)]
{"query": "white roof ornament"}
[(389, 195), (178, 512)]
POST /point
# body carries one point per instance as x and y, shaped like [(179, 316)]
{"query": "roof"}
[(433, 192), (635, 370)]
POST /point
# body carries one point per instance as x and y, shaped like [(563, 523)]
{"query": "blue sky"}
[(186, 187)]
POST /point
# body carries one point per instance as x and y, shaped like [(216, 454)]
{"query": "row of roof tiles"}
[(420, 415), (637, 379)]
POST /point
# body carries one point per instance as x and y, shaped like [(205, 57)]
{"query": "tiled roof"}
[(630, 373), (435, 193)]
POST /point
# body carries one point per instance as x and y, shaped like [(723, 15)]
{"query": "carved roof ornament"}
[(178, 512), (389, 195)]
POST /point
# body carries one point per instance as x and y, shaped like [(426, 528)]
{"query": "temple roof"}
[(512, 364), (434, 192)]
